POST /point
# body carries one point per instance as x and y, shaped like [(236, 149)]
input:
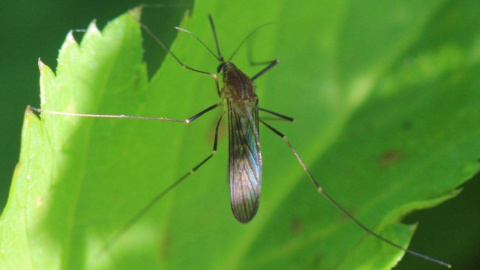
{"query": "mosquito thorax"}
[(236, 85)]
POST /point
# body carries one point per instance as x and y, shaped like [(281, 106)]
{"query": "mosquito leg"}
[(215, 78), (336, 204), (259, 63), (147, 207), (246, 38), (281, 116), (160, 42), (220, 57), (250, 57), (191, 119), (267, 68), (122, 116), (212, 25), (270, 64)]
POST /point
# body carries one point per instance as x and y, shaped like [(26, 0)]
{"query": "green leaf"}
[(387, 106)]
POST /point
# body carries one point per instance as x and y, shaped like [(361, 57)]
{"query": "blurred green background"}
[(33, 29)]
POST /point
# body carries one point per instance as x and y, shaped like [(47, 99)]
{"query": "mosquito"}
[(240, 102)]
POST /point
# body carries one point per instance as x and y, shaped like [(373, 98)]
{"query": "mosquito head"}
[(225, 67), (220, 67)]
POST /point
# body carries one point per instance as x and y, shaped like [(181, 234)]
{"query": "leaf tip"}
[(41, 65), (70, 39), (28, 115), (28, 111), (136, 12), (92, 32), (92, 28)]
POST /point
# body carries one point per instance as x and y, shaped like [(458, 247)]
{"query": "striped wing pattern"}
[(245, 160)]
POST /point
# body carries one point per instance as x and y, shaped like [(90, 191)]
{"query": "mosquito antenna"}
[(159, 42), (219, 58), (216, 38), (343, 210), (247, 37)]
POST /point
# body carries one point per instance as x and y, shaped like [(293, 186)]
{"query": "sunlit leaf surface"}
[(386, 97)]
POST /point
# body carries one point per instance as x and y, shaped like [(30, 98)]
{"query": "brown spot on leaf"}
[(297, 226), (390, 157), (164, 247)]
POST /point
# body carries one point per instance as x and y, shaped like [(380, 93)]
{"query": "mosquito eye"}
[(219, 68)]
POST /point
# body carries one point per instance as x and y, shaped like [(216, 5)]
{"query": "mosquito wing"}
[(245, 160)]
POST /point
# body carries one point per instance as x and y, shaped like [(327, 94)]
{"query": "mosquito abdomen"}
[(245, 159)]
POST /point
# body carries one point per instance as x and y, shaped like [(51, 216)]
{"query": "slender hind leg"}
[(147, 207), (336, 204)]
